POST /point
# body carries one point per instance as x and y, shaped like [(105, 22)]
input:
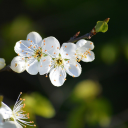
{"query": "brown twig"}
[(86, 36)]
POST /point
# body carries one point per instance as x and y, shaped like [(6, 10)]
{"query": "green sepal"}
[(66, 59), (59, 54)]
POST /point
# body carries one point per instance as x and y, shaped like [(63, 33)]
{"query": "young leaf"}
[(102, 26)]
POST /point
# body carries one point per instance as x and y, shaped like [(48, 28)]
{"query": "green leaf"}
[(1, 99), (39, 105), (102, 26), (76, 117)]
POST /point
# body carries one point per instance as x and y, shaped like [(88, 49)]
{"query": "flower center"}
[(38, 54), (59, 62)]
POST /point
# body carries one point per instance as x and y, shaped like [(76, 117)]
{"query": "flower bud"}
[(18, 64), (2, 63)]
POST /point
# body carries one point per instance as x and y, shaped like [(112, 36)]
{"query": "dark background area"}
[(62, 19)]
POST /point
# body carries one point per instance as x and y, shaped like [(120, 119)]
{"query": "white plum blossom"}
[(18, 64), (83, 51), (64, 62), (2, 63), (37, 52), (16, 115)]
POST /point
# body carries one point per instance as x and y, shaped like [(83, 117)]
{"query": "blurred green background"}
[(96, 99)]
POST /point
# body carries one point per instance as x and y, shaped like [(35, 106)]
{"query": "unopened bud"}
[(102, 26), (2, 63), (18, 64)]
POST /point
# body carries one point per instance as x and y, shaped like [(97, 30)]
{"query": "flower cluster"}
[(14, 118), (46, 56)]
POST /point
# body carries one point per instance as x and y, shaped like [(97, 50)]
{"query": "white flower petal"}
[(32, 66), (51, 46), (34, 37), (10, 124), (2, 63), (1, 118), (5, 111), (24, 48), (57, 76), (44, 65), (68, 50), (85, 44), (18, 64), (18, 125), (73, 68), (80, 43), (89, 57)]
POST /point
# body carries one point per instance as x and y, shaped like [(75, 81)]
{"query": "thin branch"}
[(86, 36)]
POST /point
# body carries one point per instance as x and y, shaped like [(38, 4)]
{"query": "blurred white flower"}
[(37, 52), (63, 62), (2, 63), (83, 51), (18, 64), (9, 124), (16, 115)]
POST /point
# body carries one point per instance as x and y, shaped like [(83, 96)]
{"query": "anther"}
[(34, 47), (73, 76), (57, 47), (31, 40), (44, 40), (90, 43), (66, 54), (28, 39), (16, 64), (52, 46), (22, 50), (79, 60), (64, 79), (54, 53), (20, 42), (41, 66), (76, 65), (45, 50), (54, 80), (65, 46)]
